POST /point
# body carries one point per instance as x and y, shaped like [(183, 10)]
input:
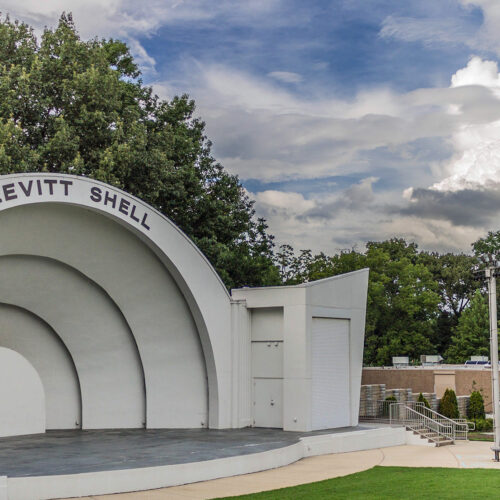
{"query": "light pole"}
[(491, 271)]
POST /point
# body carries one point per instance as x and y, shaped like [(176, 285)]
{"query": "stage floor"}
[(77, 451)]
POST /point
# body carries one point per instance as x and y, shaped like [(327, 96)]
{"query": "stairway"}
[(428, 424), (431, 436)]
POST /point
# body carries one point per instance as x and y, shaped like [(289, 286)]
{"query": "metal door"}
[(268, 402), (330, 373)]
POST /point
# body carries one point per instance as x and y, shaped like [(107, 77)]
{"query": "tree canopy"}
[(80, 107), (472, 334), (415, 298)]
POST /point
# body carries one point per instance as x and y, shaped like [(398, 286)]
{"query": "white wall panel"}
[(124, 271), (26, 334), (157, 313), (267, 323), (22, 406), (92, 328), (267, 359), (330, 384)]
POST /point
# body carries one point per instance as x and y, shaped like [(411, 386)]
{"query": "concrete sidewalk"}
[(463, 455)]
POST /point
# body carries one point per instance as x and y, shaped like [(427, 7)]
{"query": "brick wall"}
[(422, 380), (475, 380), (417, 380)]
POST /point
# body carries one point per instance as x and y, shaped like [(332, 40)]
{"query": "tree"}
[(293, 268), (402, 308), (403, 303), (489, 245), (476, 406), (472, 334), (80, 107), (449, 404), (457, 284)]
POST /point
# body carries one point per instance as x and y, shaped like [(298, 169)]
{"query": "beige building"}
[(463, 380)]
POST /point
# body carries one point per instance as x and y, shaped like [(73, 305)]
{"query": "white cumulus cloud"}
[(476, 161), (477, 72), (282, 200), (488, 36), (286, 76)]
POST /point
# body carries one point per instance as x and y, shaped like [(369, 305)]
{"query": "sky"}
[(347, 121)]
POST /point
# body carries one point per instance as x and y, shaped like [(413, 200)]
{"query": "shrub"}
[(484, 424), (476, 406), (449, 405), (387, 405), (422, 399)]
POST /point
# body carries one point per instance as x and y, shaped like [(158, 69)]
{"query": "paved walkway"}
[(464, 455)]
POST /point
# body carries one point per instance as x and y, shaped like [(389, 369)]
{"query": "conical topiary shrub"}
[(449, 405), (476, 406), (422, 399)]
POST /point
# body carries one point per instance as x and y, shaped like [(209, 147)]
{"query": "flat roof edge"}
[(304, 285)]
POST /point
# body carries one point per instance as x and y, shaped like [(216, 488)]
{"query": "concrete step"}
[(421, 431), (426, 433), (441, 440), (446, 442), (431, 436)]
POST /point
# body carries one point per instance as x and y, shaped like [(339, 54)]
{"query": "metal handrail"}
[(379, 411), (420, 423), (461, 424), (471, 425)]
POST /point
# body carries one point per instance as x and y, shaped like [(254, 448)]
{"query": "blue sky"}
[(335, 46), (346, 120)]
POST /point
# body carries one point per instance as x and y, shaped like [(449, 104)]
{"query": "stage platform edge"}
[(147, 478)]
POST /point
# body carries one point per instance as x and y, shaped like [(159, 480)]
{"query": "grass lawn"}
[(478, 436), (396, 482)]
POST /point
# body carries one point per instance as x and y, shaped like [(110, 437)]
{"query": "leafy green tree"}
[(403, 303), (402, 309), (456, 287), (472, 335), (489, 245), (80, 107), (293, 268), (344, 262), (476, 406), (449, 404)]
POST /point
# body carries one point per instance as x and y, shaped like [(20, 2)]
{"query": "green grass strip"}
[(396, 482)]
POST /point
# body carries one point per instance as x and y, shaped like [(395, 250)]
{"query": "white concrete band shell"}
[(110, 317)]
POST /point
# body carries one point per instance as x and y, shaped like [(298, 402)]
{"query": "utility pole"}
[(491, 273)]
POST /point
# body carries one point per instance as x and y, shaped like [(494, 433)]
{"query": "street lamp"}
[(491, 271)]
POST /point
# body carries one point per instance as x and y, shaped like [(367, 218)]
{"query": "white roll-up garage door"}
[(330, 373)]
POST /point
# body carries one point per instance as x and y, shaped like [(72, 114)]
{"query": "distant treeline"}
[(418, 302)]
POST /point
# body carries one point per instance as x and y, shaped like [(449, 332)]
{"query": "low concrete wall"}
[(354, 441), (119, 481)]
